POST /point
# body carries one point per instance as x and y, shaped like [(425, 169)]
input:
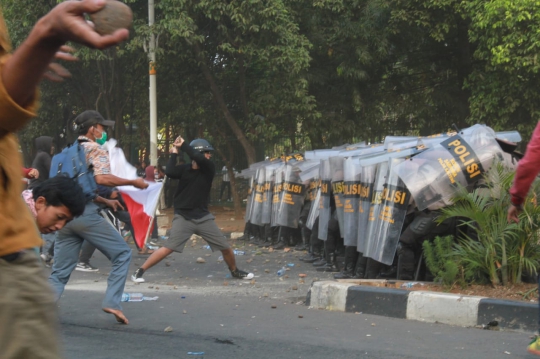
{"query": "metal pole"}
[(153, 97)]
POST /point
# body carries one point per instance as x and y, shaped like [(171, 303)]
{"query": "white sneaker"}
[(137, 276)]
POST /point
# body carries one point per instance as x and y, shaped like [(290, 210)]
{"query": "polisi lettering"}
[(293, 187), (464, 156)]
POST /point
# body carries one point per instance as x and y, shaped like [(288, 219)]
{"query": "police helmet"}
[(201, 145)]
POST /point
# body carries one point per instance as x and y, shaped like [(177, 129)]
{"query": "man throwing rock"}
[(191, 215)]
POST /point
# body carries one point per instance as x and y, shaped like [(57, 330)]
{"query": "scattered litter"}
[(239, 253), (300, 316), (220, 258), (373, 324), (368, 335), (265, 295), (290, 264), (267, 271), (184, 311), (411, 284), (201, 260), (222, 325), (228, 275), (302, 275), (274, 306), (195, 353), (507, 353), (286, 250), (183, 297), (167, 264), (207, 247), (281, 271), (209, 276), (270, 249), (249, 260), (294, 287), (225, 283), (168, 329), (132, 297), (151, 298)]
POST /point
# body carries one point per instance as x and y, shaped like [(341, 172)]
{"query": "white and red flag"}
[(141, 204)]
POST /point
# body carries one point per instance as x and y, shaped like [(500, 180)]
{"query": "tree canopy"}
[(249, 75)]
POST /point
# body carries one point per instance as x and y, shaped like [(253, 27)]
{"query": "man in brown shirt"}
[(27, 310)]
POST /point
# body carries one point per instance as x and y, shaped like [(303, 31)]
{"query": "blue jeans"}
[(94, 229), (48, 246)]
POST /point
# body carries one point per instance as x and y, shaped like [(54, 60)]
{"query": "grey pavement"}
[(228, 318)]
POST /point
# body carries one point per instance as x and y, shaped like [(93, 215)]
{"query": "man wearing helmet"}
[(191, 215)]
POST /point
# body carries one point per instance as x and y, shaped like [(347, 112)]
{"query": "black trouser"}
[(225, 184)]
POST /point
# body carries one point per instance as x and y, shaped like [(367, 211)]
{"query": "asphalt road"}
[(226, 318)]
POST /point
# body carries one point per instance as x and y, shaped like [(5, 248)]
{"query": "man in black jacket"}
[(191, 215), (42, 161)]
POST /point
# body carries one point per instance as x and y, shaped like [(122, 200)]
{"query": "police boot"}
[(389, 272), (331, 264), (373, 268), (406, 262), (314, 254), (351, 256), (322, 261), (360, 268), (282, 243)]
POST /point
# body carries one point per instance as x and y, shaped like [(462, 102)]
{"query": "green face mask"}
[(103, 138)]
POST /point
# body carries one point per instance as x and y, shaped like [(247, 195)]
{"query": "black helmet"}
[(201, 145)]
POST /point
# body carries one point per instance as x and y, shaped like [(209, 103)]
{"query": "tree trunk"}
[(218, 97)]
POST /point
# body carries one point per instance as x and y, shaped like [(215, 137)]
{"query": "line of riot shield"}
[(434, 175), (258, 197), (394, 201), (277, 193), (292, 199), (351, 200), (324, 205), (336, 169)]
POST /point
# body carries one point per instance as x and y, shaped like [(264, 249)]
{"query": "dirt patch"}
[(228, 223)]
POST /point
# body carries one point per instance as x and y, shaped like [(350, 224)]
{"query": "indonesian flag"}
[(141, 204)]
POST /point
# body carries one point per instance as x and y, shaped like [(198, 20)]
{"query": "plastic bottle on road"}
[(132, 297), (281, 271), (239, 253)]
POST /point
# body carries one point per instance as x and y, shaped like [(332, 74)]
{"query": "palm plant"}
[(494, 248)]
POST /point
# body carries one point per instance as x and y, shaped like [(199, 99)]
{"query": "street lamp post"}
[(153, 96)]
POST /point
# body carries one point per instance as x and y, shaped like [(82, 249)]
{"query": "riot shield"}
[(258, 197), (249, 199), (292, 199), (266, 216), (367, 182), (324, 204), (388, 221), (375, 208), (315, 203), (277, 193), (336, 169), (434, 175), (351, 200)]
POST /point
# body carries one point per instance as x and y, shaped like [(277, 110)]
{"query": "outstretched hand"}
[(513, 214), (66, 22)]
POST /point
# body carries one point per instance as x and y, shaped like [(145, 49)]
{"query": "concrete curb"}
[(430, 307)]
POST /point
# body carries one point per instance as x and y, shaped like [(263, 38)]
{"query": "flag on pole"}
[(141, 204)]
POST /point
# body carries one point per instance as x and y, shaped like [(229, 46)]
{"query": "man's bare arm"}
[(113, 181), (24, 70)]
